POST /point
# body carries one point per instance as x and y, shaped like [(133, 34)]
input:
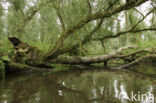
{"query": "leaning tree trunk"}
[(27, 56)]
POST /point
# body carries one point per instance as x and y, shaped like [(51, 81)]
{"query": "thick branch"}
[(75, 59), (84, 41), (54, 52), (139, 60), (135, 52), (88, 60)]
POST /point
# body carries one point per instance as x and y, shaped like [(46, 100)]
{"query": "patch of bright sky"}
[(94, 4), (30, 3), (58, 22), (5, 6), (144, 9), (121, 17)]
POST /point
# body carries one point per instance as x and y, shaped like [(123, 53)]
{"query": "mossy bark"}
[(26, 57)]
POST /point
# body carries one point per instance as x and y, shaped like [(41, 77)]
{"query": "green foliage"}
[(18, 4), (5, 58), (6, 47), (41, 46), (2, 65), (44, 29), (147, 44)]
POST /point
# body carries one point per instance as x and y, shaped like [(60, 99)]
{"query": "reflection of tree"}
[(2, 91), (13, 88), (95, 81), (81, 87), (22, 90), (69, 95), (92, 83), (27, 89)]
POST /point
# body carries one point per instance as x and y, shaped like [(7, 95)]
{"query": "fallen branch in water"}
[(137, 61), (26, 57), (88, 60)]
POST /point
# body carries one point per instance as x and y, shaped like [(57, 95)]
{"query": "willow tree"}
[(68, 27), (1, 20)]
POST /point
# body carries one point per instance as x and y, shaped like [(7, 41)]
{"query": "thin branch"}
[(103, 14), (89, 7), (123, 33), (80, 43), (28, 16), (103, 45), (130, 30), (22, 13), (139, 12), (141, 19), (135, 52), (59, 16), (85, 40)]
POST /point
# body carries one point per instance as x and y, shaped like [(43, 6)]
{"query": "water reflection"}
[(98, 86)]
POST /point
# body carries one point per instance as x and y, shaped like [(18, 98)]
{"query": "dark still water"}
[(87, 86)]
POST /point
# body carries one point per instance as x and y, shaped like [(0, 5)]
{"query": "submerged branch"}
[(137, 61)]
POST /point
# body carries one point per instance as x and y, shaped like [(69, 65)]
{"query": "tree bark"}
[(98, 59), (63, 59), (137, 61)]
